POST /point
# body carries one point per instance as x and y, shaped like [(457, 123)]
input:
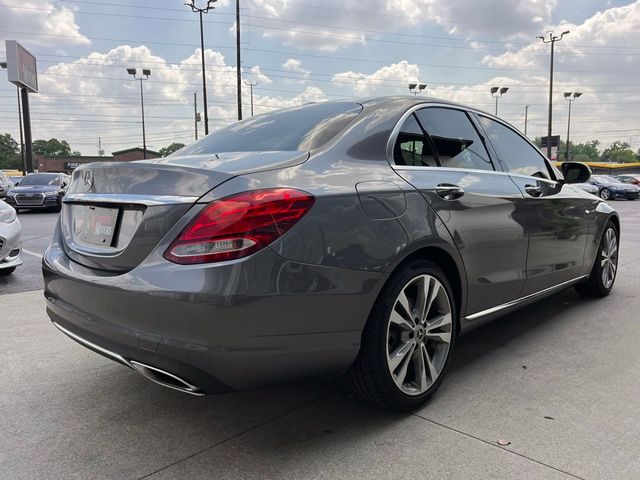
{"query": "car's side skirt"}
[(493, 311)]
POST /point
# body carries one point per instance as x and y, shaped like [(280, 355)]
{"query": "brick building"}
[(66, 164)]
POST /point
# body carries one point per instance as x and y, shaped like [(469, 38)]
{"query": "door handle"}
[(533, 190), (448, 191)]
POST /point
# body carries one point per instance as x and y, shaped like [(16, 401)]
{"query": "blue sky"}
[(300, 51)]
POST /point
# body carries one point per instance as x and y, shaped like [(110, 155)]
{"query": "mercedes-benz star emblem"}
[(87, 180)]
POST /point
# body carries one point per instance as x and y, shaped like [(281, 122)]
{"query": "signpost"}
[(22, 71), (555, 143)]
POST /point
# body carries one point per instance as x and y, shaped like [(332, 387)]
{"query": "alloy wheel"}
[(419, 334), (609, 257), (604, 194)]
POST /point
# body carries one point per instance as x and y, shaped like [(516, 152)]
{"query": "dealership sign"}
[(21, 66)]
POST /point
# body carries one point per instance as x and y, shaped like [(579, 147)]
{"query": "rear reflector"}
[(239, 225)]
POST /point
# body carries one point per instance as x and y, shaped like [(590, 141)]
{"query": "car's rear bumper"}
[(240, 325)]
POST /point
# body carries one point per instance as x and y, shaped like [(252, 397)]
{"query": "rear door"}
[(559, 217), (440, 152)]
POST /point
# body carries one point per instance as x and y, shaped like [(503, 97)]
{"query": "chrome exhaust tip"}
[(166, 379), (155, 374)]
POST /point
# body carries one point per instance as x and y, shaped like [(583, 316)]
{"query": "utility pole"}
[(200, 11), (146, 72), (195, 113), (238, 61), (526, 115), (552, 39), (570, 97), (251, 85)]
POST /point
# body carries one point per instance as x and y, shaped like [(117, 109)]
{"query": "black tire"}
[(605, 194), (369, 377), (595, 285), (7, 271)]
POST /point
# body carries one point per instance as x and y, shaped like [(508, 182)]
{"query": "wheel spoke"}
[(402, 373), (399, 354), (422, 299), (421, 369), (444, 337), (403, 301), (433, 373), (434, 293), (401, 322)]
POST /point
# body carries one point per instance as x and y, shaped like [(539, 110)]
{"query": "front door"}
[(558, 216)]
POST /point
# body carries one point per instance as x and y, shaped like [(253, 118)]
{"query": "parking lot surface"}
[(558, 381)]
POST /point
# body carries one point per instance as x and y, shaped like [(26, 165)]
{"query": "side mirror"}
[(575, 172)]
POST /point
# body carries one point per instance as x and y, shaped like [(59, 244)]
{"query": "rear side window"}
[(514, 151), (412, 147), (300, 128), (456, 140)]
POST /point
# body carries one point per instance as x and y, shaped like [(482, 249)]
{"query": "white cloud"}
[(44, 17), (395, 76)]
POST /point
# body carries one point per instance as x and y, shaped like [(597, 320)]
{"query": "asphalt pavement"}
[(557, 383)]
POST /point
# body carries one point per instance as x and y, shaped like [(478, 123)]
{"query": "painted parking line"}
[(33, 254)]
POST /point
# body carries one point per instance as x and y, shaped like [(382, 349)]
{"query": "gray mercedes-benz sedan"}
[(349, 237)]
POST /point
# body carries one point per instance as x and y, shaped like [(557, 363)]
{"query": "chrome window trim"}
[(440, 169), (518, 301), (148, 200), (391, 141)]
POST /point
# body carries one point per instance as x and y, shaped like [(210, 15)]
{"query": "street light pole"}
[(251, 85), (238, 61), (552, 39), (570, 97), (204, 74), (417, 87), (526, 115), (497, 92), (146, 72)]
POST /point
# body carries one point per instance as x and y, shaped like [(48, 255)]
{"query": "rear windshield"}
[(40, 179), (300, 128)]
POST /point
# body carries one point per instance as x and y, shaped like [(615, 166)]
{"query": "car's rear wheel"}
[(7, 271), (605, 268), (605, 194), (408, 339)]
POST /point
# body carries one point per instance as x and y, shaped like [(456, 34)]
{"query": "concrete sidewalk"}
[(559, 380)]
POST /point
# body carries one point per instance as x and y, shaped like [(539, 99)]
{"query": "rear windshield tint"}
[(300, 128)]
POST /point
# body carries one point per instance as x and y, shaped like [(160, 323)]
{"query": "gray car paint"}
[(297, 308)]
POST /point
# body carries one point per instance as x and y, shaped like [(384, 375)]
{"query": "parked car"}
[(323, 239), (39, 191), (631, 178), (5, 184), (589, 187), (610, 188), (10, 251)]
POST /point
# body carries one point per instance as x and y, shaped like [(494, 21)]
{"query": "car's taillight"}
[(239, 225)]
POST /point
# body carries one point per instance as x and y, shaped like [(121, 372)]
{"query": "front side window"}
[(514, 151), (456, 140)]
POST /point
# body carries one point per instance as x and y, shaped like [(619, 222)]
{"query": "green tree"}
[(174, 147), (52, 147), (9, 152), (619, 152)]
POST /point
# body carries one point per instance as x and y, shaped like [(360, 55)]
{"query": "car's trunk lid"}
[(115, 214)]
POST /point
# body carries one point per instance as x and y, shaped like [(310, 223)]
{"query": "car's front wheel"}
[(605, 268), (605, 194), (408, 339)]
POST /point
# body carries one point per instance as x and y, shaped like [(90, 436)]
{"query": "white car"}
[(10, 250)]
